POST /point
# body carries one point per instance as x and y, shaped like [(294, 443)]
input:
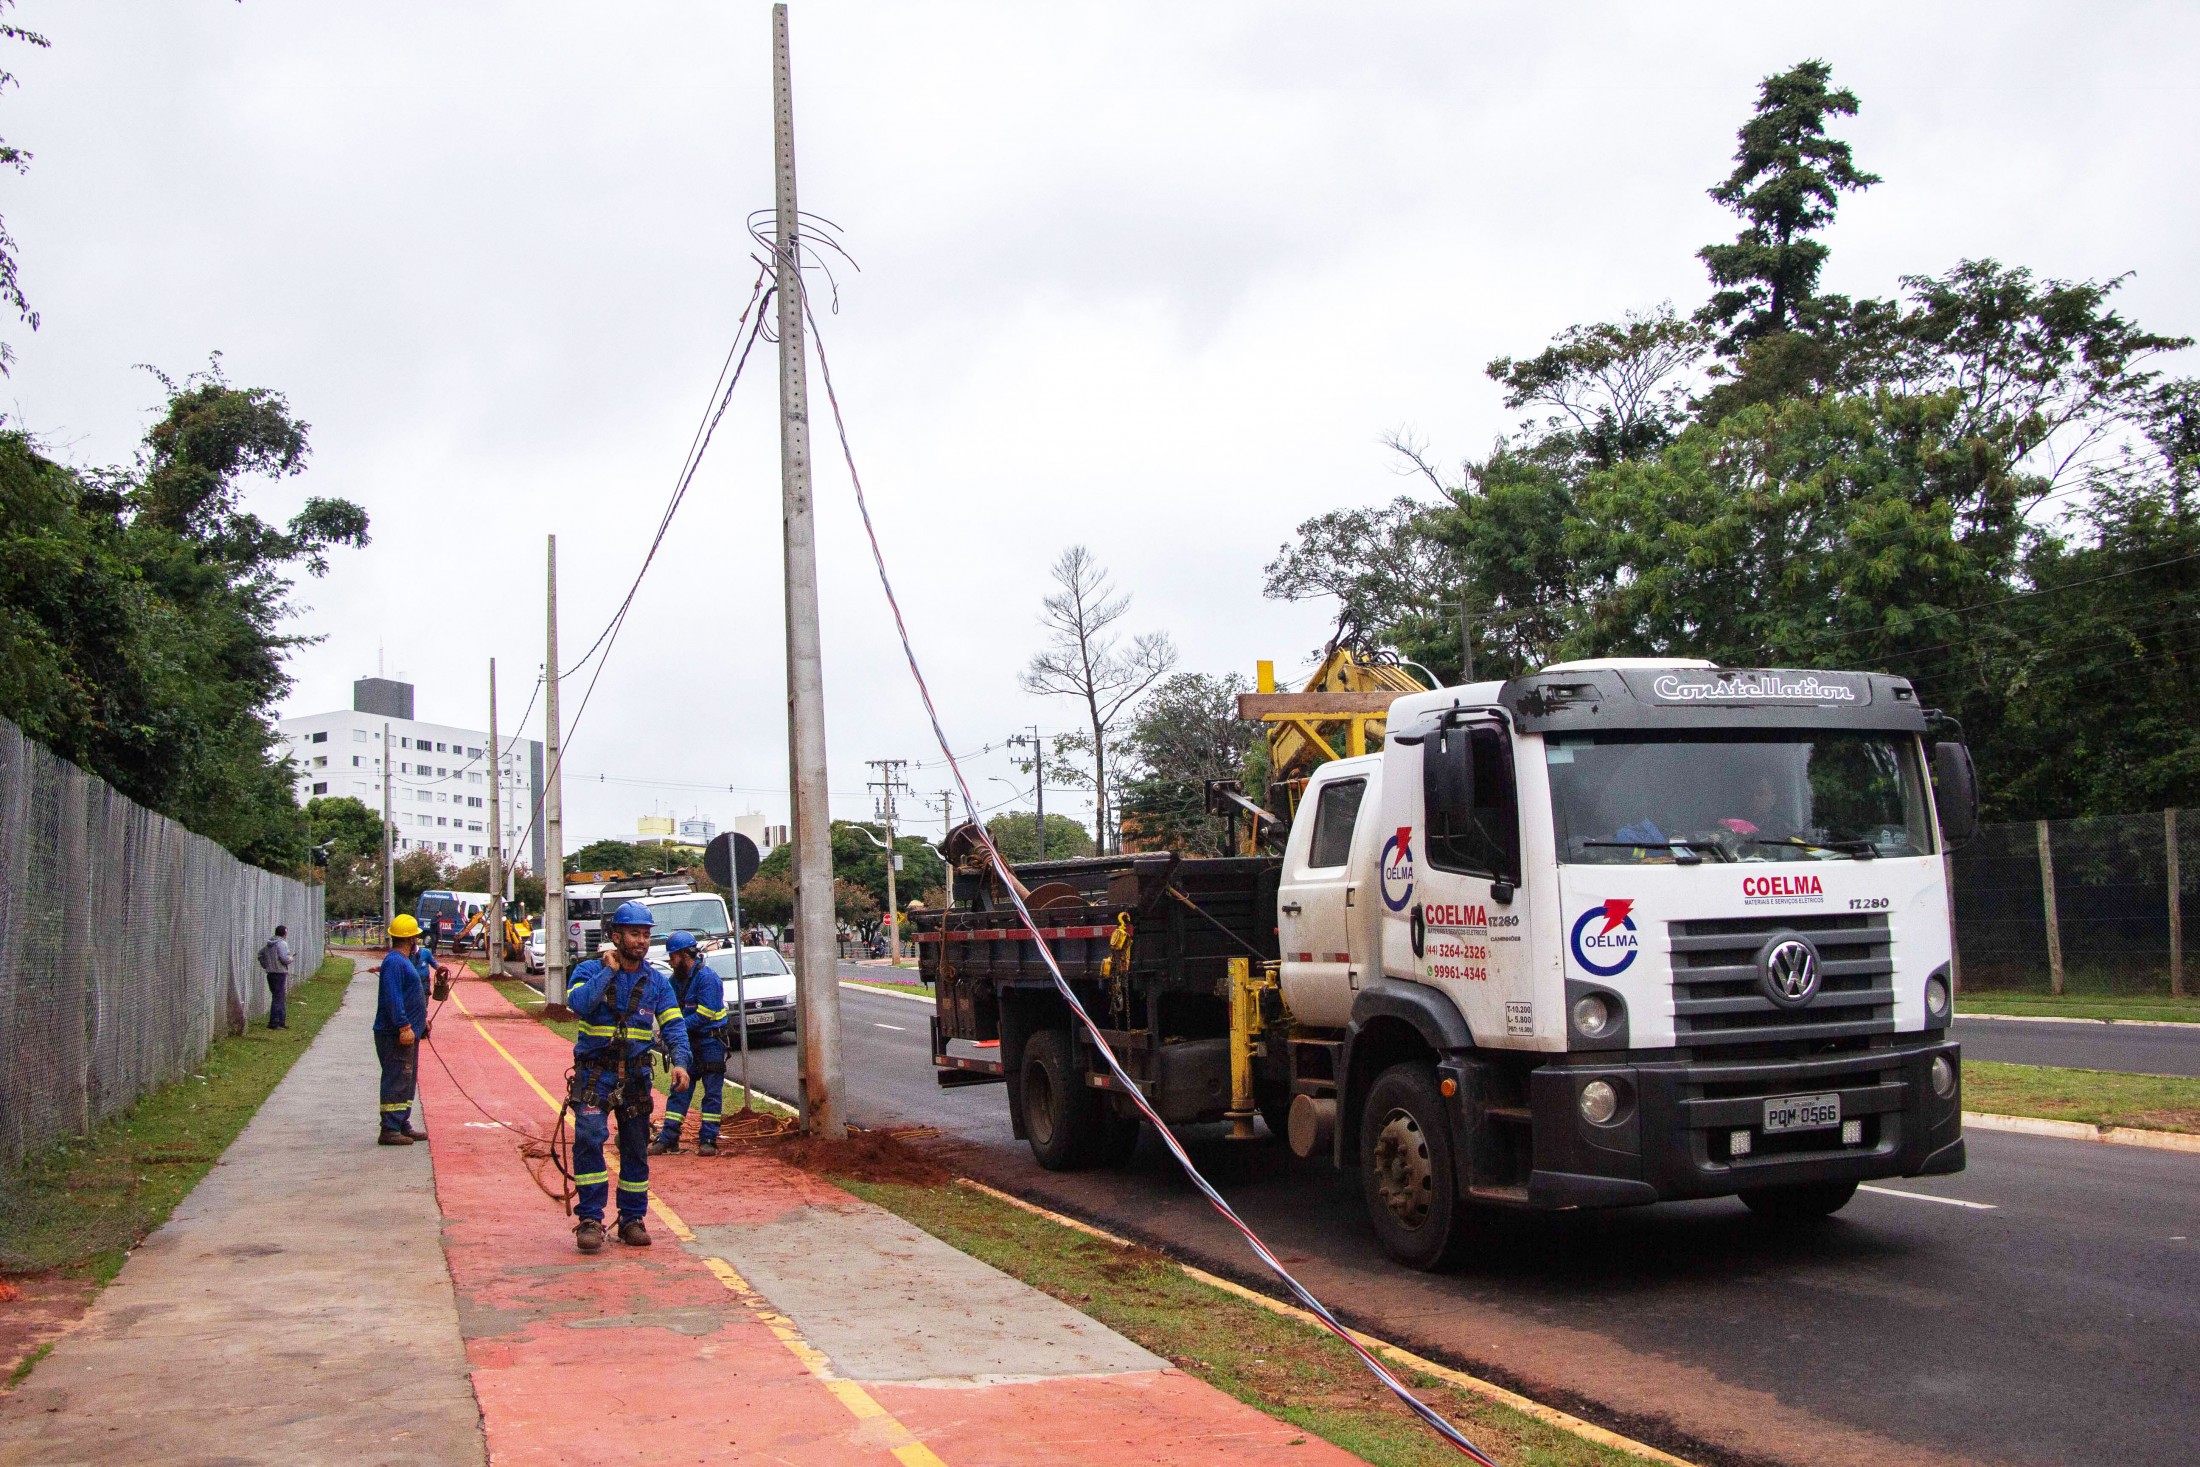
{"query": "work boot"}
[(665, 1146), (393, 1138), (588, 1235), (633, 1234), (416, 1133), (706, 1148)]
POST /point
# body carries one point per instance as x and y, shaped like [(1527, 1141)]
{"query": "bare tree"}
[(1085, 658)]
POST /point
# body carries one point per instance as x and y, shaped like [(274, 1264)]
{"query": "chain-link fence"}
[(2109, 929), (126, 944)]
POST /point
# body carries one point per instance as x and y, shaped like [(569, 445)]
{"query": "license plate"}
[(1802, 1113)]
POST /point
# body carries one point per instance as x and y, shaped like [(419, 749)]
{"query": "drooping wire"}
[(1428, 1414), (758, 300)]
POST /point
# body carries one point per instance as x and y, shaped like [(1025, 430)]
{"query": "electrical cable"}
[(1320, 1311)]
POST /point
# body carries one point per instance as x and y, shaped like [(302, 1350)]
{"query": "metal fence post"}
[(2176, 907), (2054, 927)]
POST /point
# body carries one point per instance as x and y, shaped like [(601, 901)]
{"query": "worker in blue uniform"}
[(702, 996), (615, 997), (400, 1023)]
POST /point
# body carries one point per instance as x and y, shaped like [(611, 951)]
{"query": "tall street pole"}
[(492, 943), (554, 956), (888, 769), (389, 842), (817, 952), (1038, 782)]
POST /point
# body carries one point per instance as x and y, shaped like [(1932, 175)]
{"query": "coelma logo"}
[(1397, 869), (1613, 945)]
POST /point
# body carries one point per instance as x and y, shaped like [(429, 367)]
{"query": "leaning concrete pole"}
[(554, 956), (817, 948), (492, 944)]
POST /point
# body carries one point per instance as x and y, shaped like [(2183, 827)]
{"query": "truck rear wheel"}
[(1062, 1114), (1801, 1203), (1407, 1169)]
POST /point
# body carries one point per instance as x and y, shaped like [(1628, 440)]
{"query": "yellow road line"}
[(1475, 1385), (898, 1439)]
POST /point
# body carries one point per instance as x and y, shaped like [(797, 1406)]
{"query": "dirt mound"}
[(887, 1154)]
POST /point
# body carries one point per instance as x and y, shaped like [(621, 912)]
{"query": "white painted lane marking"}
[(899, 1028), (1928, 1197)]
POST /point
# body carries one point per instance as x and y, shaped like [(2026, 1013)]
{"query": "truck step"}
[(1517, 1196)]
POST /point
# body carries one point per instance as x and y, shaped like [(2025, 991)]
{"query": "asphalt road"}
[(2053, 1320), (2141, 1049)]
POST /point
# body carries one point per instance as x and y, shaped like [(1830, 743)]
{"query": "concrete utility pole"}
[(1038, 781), (492, 937), (389, 842), (887, 781), (554, 956), (817, 950), (1466, 642)]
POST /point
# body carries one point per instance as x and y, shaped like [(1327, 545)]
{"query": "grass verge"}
[(2153, 1008), (84, 1203), (2094, 1097), (1275, 1364), (924, 989)]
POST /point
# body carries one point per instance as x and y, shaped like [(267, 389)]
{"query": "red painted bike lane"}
[(860, 1340)]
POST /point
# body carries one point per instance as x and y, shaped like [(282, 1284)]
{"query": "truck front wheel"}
[(1062, 1114), (1407, 1168)]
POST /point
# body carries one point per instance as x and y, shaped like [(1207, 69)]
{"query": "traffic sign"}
[(731, 859)]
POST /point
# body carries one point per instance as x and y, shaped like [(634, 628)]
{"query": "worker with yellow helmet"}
[(400, 1022)]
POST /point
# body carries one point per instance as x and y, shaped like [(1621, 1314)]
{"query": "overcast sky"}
[(1156, 278)]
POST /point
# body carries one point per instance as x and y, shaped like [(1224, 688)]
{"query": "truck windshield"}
[(1624, 798), (703, 916)]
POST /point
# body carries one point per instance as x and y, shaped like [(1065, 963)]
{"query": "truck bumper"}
[(1683, 1125)]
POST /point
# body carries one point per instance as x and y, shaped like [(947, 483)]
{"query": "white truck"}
[(1611, 933)]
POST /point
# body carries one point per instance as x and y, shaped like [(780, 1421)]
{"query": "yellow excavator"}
[(516, 932)]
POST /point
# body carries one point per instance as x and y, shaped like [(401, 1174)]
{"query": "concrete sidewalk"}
[(295, 1308), (777, 1318)]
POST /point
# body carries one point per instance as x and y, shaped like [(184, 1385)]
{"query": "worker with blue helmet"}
[(615, 998), (702, 996)]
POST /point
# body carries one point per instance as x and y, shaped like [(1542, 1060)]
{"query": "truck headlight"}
[(1592, 1016), (1599, 1102), (1936, 997), (1944, 1076)]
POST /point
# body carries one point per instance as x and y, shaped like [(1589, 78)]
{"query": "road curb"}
[(1474, 1385), (2189, 1025), (2082, 1131), (890, 993)]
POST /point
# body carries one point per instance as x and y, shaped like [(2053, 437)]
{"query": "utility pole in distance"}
[(554, 956), (1038, 781), (886, 782), (389, 842), (492, 937), (817, 954)]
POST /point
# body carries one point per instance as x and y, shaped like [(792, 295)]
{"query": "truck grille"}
[(1718, 1003)]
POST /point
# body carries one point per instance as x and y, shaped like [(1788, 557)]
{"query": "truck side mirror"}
[(1447, 782), (1955, 781)]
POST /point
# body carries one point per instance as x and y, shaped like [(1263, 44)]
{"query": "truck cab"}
[(1629, 931)]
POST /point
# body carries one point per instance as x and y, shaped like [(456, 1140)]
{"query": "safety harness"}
[(627, 1094)]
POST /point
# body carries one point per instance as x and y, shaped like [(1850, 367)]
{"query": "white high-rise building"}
[(439, 773)]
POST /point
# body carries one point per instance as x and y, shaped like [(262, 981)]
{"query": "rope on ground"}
[(1428, 1414)]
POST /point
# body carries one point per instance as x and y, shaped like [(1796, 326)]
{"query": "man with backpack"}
[(275, 963)]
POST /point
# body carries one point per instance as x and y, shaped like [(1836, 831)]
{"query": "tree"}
[(1617, 390), (1016, 834), (769, 899), (615, 855), (141, 612), (1787, 181), (1375, 562), (1186, 733), (345, 824), (11, 287), (1085, 658), (416, 872)]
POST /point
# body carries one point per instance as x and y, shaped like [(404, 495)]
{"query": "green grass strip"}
[(2094, 1097), (2155, 1008), (83, 1204), (1278, 1365)]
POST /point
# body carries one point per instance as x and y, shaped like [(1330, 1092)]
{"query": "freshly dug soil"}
[(889, 1154)]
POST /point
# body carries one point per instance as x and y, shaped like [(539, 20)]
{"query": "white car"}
[(768, 990)]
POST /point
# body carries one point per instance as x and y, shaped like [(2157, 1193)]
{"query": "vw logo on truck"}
[(1790, 971)]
